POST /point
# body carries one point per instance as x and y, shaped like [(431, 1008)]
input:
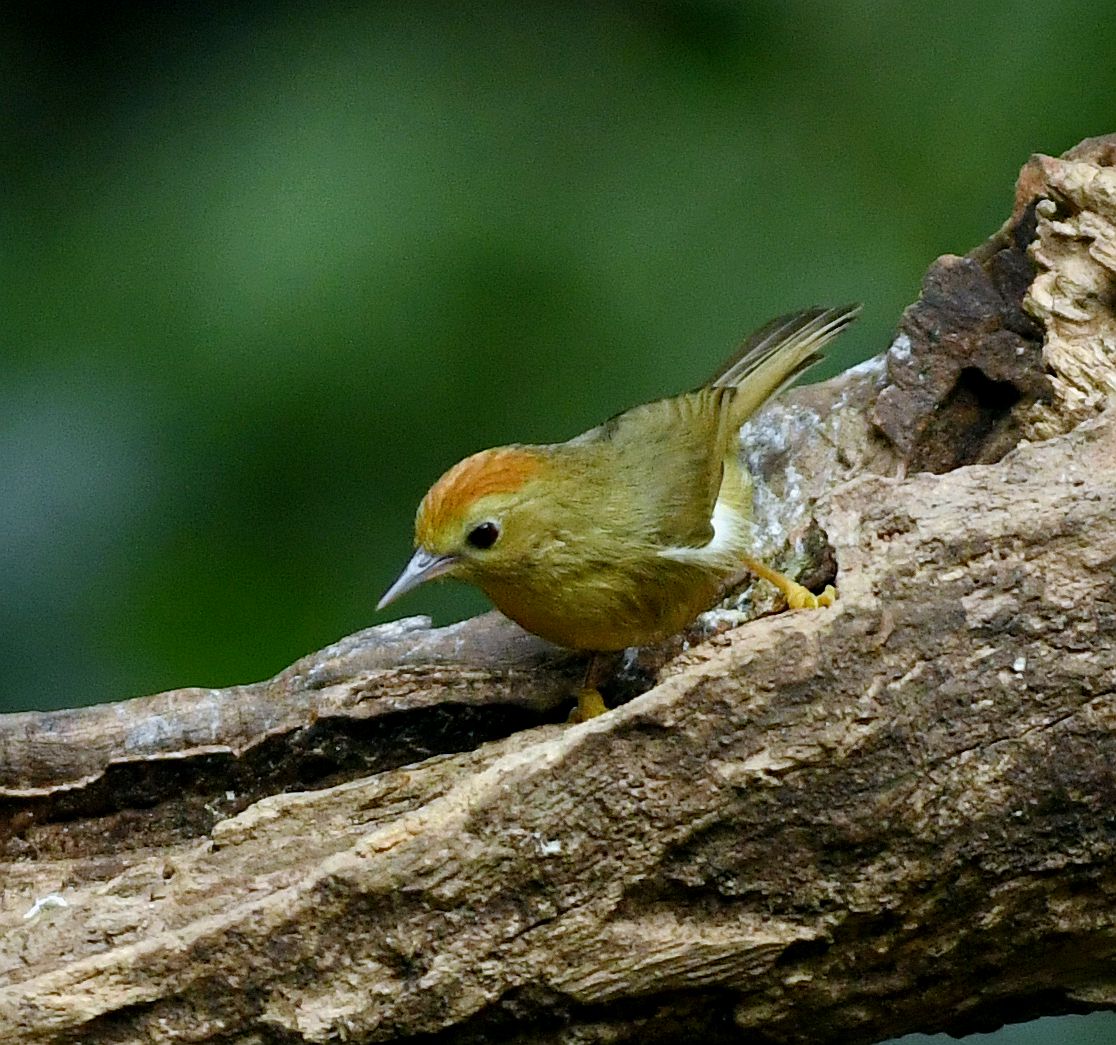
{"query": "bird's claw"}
[(590, 704), (800, 598)]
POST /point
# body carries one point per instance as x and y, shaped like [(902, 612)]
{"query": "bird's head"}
[(475, 522)]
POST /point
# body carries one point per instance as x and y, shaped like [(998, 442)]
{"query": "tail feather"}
[(777, 353)]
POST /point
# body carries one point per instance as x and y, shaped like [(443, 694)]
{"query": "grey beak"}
[(424, 566)]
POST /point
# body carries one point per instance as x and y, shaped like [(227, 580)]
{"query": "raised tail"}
[(777, 353)]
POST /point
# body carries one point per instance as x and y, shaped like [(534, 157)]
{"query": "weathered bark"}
[(898, 814)]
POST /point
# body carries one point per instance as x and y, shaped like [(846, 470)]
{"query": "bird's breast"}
[(609, 607)]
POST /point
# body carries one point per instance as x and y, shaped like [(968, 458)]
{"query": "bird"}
[(622, 535)]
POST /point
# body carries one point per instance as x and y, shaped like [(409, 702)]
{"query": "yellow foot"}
[(590, 704), (800, 598)]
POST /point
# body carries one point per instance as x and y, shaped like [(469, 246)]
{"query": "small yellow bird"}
[(623, 535)]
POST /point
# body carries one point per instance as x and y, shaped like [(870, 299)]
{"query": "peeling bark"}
[(898, 814)]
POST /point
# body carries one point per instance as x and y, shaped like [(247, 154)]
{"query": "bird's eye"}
[(483, 535)]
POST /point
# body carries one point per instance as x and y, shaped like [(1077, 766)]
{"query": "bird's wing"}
[(777, 353), (665, 460), (659, 463)]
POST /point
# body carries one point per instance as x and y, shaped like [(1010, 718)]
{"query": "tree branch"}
[(894, 815)]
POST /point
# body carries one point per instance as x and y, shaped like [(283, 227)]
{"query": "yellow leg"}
[(590, 704), (798, 597)]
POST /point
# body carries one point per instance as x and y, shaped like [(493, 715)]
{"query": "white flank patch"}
[(729, 538)]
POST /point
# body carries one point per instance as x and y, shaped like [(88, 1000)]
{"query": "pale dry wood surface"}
[(898, 814)]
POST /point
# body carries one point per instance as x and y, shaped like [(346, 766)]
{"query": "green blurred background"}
[(266, 270)]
